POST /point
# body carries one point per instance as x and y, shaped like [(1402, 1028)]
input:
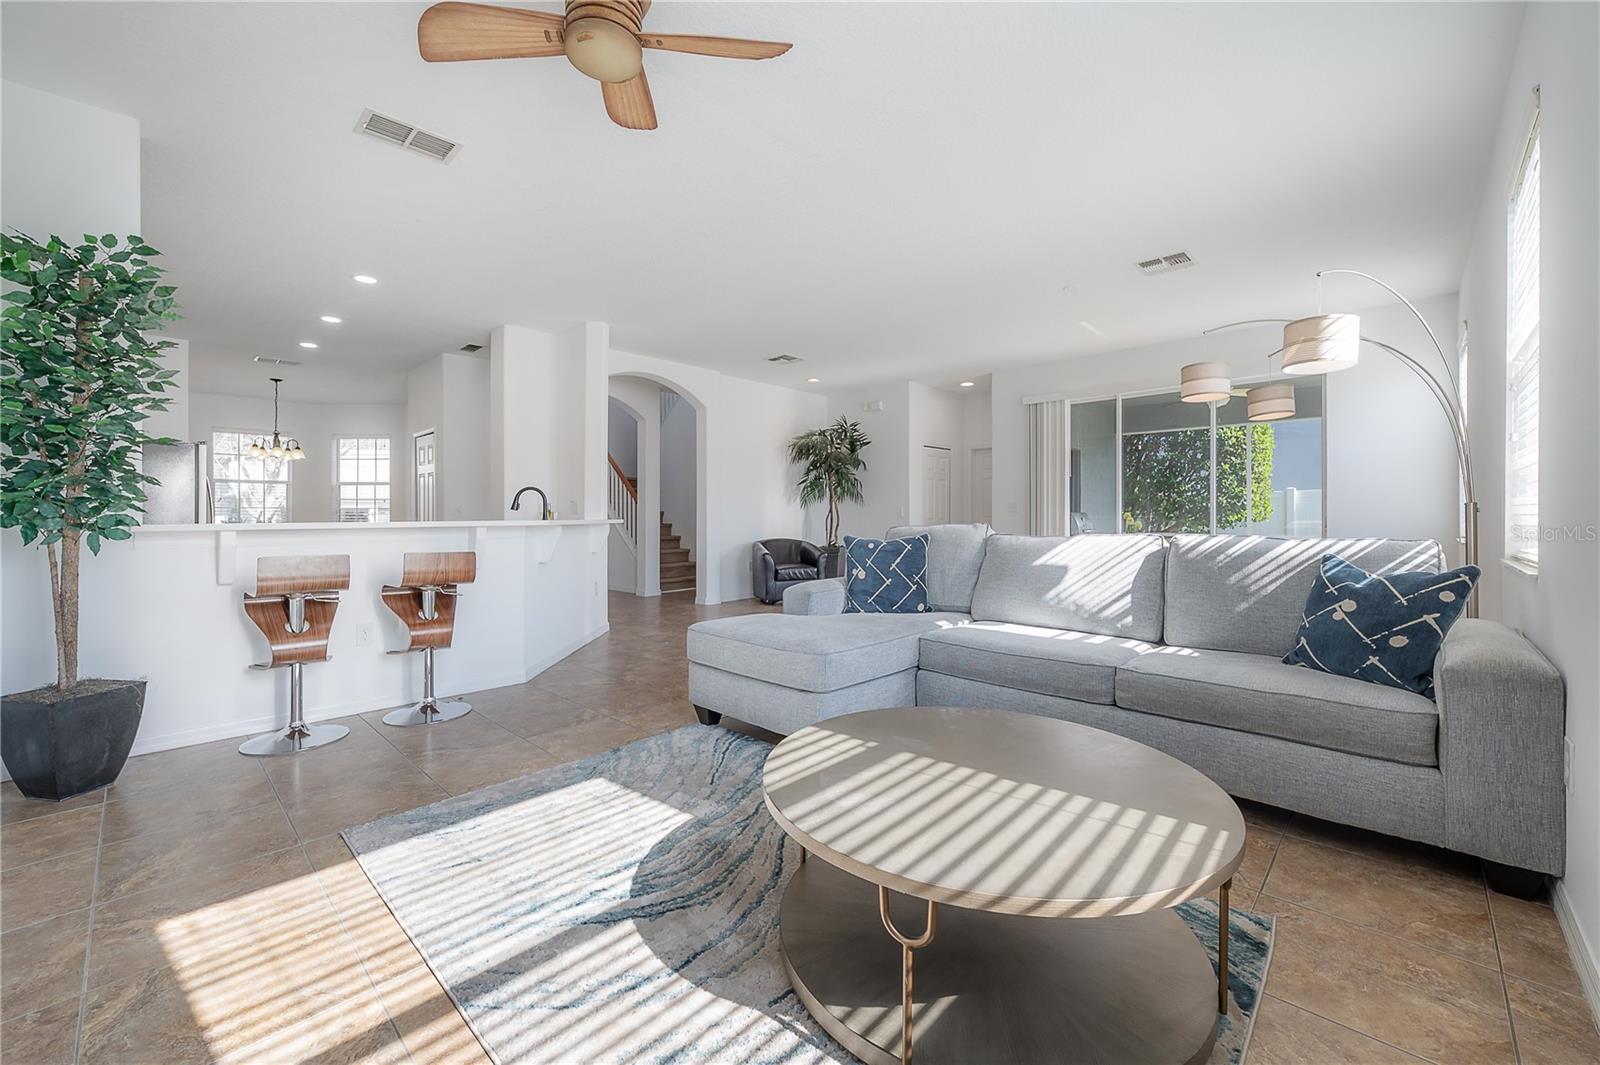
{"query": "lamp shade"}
[(1324, 343), (1270, 403), (1206, 382)]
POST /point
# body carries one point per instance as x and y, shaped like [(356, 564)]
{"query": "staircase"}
[(677, 569)]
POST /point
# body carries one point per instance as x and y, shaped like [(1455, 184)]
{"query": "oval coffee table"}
[(999, 822)]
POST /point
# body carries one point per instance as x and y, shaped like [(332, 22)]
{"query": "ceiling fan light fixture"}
[(1323, 343), (1270, 403), (1206, 382), (604, 50)]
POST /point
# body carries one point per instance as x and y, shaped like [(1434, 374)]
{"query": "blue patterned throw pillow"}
[(1385, 628), (886, 576)]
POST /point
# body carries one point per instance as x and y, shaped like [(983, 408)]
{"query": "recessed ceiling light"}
[(332, 319), (968, 384), (813, 380), (308, 343), (365, 279)]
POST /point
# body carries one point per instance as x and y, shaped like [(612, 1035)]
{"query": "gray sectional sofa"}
[(1176, 642)]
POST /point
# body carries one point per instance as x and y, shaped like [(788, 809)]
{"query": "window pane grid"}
[(1522, 362), (247, 489), (362, 473)]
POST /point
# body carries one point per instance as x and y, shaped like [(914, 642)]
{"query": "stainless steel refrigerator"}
[(184, 495)]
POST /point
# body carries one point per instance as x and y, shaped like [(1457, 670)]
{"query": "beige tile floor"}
[(204, 907)]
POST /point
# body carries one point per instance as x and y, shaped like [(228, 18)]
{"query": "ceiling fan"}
[(602, 38)]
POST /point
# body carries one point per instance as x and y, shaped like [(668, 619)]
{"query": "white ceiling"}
[(931, 190)]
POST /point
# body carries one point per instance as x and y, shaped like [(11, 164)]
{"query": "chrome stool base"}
[(293, 740), (426, 713), (430, 711), (299, 736)]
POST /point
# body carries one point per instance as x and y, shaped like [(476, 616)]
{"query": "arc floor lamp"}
[(1329, 343)]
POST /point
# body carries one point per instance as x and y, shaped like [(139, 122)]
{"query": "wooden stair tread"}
[(677, 568)]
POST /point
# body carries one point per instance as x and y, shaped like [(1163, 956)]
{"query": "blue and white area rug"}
[(624, 908)]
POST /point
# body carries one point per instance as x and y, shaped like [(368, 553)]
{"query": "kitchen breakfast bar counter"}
[(167, 606)]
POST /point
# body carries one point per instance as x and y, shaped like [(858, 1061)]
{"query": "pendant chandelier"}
[(279, 447)]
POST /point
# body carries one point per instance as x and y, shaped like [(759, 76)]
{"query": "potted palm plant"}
[(79, 375), (830, 469)]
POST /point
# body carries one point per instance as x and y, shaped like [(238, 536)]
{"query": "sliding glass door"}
[(1166, 465), (1152, 463)]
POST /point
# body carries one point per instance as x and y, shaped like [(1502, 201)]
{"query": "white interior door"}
[(424, 495), (983, 484), (935, 485)]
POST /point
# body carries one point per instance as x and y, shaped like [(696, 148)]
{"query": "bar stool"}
[(293, 606), (425, 602)]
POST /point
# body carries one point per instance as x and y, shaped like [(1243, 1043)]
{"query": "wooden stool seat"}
[(294, 603), (425, 603)]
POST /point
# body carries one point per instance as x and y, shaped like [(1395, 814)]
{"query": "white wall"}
[(977, 431), (312, 495), (886, 482), (449, 394), (934, 420), (679, 490), (747, 492), (462, 466), (547, 416), (642, 397), (68, 168), (1557, 608), (1390, 460), (622, 437), (914, 416)]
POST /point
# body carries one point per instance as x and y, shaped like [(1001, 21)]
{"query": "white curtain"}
[(1047, 468)]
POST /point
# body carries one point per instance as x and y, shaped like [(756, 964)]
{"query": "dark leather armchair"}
[(776, 564)]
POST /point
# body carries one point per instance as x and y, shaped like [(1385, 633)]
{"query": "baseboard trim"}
[(1584, 957), (551, 659)]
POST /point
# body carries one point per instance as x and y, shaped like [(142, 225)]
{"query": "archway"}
[(652, 476)]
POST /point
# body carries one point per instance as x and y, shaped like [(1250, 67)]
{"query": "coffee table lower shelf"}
[(994, 987)]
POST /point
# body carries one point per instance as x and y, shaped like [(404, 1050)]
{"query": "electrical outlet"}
[(364, 634), (1011, 508), (597, 589), (1566, 763)]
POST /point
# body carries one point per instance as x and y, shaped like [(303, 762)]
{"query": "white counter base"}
[(165, 607)]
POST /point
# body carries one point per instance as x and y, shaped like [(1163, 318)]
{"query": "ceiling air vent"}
[(470, 348), (783, 358), (395, 132), (268, 360), (1166, 264)]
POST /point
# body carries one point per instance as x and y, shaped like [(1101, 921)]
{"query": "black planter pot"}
[(56, 746), (832, 564)]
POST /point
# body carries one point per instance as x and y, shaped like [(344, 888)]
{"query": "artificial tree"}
[(79, 376), (831, 464)]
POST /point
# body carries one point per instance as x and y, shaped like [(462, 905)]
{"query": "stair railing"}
[(622, 501)]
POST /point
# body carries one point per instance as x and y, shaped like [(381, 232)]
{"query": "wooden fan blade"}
[(451, 31), (726, 47), (629, 104)]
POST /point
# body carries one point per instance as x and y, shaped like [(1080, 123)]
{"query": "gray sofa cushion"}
[(1248, 593), (954, 554), (1108, 584), (1258, 693), (814, 654), (1072, 665)]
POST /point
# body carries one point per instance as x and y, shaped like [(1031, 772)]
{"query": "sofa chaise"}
[(1177, 642)]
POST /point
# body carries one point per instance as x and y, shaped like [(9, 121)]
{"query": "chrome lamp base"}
[(430, 711)]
